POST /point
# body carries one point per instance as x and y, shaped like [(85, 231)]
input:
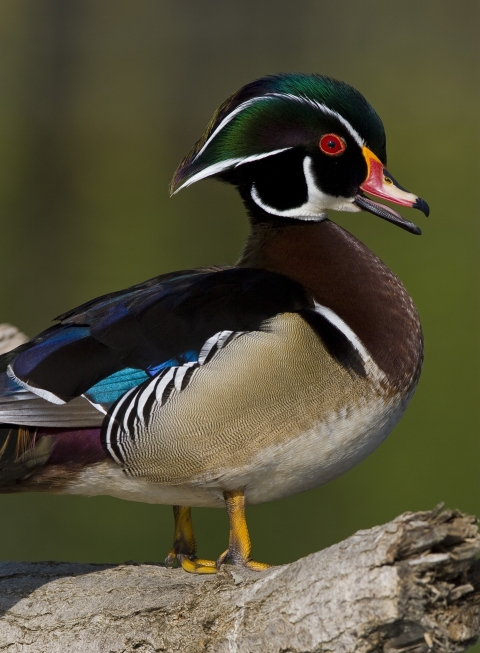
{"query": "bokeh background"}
[(98, 103)]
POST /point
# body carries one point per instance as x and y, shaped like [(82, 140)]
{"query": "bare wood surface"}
[(409, 586)]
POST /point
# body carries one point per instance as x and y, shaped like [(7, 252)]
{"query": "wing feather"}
[(117, 342)]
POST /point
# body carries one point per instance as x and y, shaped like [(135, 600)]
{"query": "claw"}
[(221, 560), (197, 565), (184, 546), (257, 566), (249, 563), (239, 546)]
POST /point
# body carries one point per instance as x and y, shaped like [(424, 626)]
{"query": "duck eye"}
[(332, 144)]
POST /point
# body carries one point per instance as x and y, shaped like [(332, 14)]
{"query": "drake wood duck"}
[(228, 386)]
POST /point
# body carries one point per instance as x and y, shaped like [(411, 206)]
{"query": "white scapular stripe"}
[(234, 162), (342, 326), (40, 392)]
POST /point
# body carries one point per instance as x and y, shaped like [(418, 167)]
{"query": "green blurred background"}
[(98, 103)]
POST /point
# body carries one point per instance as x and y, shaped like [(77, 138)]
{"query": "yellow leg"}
[(184, 546), (239, 545)]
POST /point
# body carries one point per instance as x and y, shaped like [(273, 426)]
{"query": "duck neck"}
[(346, 277)]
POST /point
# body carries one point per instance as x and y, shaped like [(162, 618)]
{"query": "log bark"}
[(409, 586)]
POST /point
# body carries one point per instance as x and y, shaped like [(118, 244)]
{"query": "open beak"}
[(380, 183)]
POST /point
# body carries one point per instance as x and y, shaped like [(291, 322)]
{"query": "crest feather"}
[(273, 114)]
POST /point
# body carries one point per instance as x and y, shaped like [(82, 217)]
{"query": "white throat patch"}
[(317, 204)]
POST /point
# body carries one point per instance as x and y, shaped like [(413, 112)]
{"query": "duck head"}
[(296, 146)]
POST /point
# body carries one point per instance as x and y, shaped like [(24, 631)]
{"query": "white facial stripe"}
[(208, 172), (225, 165), (226, 120), (329, 112), (231, 163), (288, 96), (315, 208), (257, 157), (308, 211)]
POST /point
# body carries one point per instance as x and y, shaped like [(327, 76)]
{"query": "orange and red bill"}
[(380, 183)]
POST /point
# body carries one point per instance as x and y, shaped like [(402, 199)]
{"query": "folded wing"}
[(71, 374)]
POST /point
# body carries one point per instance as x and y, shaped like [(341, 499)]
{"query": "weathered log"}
[(409, 586)]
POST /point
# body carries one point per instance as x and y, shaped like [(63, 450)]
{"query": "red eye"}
[(332, 144)]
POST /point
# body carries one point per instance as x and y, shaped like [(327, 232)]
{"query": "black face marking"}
[(340, 175), (277, 112), (336, 343), (279, 179)]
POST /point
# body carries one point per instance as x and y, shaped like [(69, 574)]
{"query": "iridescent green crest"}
[(277, 113)]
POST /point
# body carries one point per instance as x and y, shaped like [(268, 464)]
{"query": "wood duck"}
[(228, 386)]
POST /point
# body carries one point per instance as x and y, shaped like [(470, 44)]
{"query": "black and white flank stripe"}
[(130, 416)]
